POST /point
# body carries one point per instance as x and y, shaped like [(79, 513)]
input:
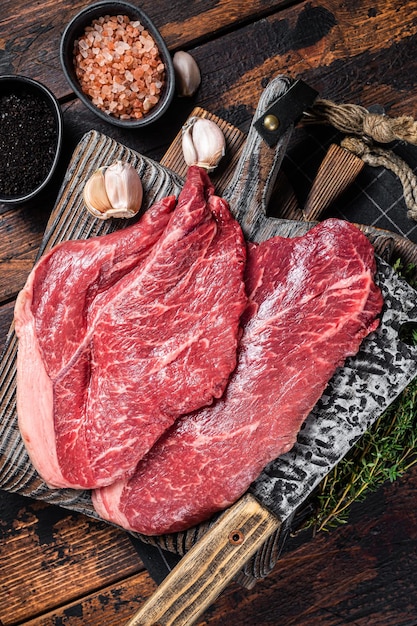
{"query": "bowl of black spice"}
[(31, 129)]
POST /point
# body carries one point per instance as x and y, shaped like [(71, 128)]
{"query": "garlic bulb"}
[(203, 143), (114, 191), (187, 73)]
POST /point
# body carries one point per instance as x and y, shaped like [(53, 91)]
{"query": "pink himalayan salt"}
[(118, 65)]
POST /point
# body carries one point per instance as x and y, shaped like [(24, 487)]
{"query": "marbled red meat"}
[(312, 300), (121, 334)]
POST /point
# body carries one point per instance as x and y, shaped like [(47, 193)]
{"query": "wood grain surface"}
[(58, 568)]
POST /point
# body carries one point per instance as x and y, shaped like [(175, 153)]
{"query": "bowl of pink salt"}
[(117, 63)]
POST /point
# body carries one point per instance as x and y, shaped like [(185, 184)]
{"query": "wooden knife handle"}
[(209, 566)]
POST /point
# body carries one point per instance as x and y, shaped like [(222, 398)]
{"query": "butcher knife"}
[(355, 397)]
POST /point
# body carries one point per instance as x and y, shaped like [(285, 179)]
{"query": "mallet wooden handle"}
[(209, 566), (252, 184)]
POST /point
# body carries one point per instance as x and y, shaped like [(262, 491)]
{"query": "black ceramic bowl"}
[(76, 28), (30, 137)]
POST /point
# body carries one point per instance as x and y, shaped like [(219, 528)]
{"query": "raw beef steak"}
[(121, 334), (312, 300)]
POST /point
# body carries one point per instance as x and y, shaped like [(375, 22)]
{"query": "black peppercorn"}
[(28, 142)]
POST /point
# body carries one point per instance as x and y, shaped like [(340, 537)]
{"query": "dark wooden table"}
[(58, 567)]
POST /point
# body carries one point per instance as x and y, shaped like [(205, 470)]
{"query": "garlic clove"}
[(114, 191), (124, 189), (188, 147), (95, 195), (187, 73), (203, 143)]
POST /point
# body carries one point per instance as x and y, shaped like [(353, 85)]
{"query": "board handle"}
[(252, 184), (209, 566)]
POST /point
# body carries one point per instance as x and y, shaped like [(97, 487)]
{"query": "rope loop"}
[(353, 119)]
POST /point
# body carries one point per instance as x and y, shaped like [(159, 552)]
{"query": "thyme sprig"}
[(384, 453)]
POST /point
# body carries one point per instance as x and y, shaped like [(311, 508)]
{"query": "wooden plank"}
[(111, 606), (185, 23), (318, 42), (48, 557)]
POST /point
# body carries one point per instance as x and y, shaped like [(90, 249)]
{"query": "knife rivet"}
[(236, 537), (271, 122)]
